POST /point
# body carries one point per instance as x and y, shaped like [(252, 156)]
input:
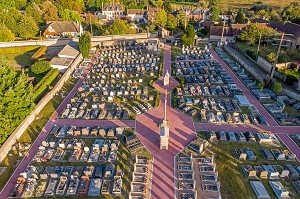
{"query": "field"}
[(234, 184), (225, 4), (19, 56)]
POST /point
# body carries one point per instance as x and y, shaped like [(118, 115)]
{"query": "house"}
[(135, 14), (292, 37), (216, 33), (112, 11), (65, 57), (152, 13), (57, 29)]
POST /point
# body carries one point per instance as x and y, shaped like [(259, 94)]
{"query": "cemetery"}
[(93, 166), (195, 172), (284, 109), (119, 85), (207, 92), (142, 174)]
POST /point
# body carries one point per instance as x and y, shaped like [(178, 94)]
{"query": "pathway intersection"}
[(182, 130)]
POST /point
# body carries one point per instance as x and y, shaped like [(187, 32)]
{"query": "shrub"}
[(40, 67), (41, 51), (45, 83), (251, 54), (277, 87)]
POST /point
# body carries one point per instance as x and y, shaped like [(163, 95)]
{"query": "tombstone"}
[(243, 156), (263, 174), (285, 173)]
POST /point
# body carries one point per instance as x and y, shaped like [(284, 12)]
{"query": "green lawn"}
[(33, 131), (265, 50), (234, 184), (19, 56), (175, 51), (291, 111)]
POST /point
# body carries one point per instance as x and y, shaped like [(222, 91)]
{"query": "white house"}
[(112, 11)]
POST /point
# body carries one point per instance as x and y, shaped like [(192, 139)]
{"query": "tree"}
[(34, 11), (119, 27), (171, 22), (188, 37), (85, 44), (161, 18), (167, 6), (40, 67), (159, 3), (240, 17), (271, 58), (16, 99), (252, 33), (27, 27), (293, 11), (261, 85), (214, 16), (277, 87), (6, 34), (49, 10), (180, 16)]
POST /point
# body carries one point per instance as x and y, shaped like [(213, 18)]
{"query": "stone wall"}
[(48, 42), (96, 40), (260, 77), (5, 148)]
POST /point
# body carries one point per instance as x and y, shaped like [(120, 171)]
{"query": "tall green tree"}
[(252, 33), (27, 27), (161, 18), (85, 44), (171, 22), (6, 34), (16, 99), (34, 11), (188, 37), (240, 17), (214, 16)]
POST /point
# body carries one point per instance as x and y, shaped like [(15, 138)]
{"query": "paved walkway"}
[(100, 123), (182, 132)]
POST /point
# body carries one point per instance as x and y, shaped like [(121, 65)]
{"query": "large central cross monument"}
[(164, 128)]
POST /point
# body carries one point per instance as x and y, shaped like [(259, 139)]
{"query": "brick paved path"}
[(182, 132)]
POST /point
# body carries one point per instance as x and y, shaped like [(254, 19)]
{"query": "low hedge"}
[(41, 51), (251, 54), (41, 87)]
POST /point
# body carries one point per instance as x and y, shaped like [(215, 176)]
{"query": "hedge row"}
[(41, 87), (41, 51), (251, 54)]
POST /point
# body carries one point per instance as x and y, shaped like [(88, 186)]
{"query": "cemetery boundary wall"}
[(96, 40), (6, 147), (253, 72)]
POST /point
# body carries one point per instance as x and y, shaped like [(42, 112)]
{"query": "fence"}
[(5, 148)]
